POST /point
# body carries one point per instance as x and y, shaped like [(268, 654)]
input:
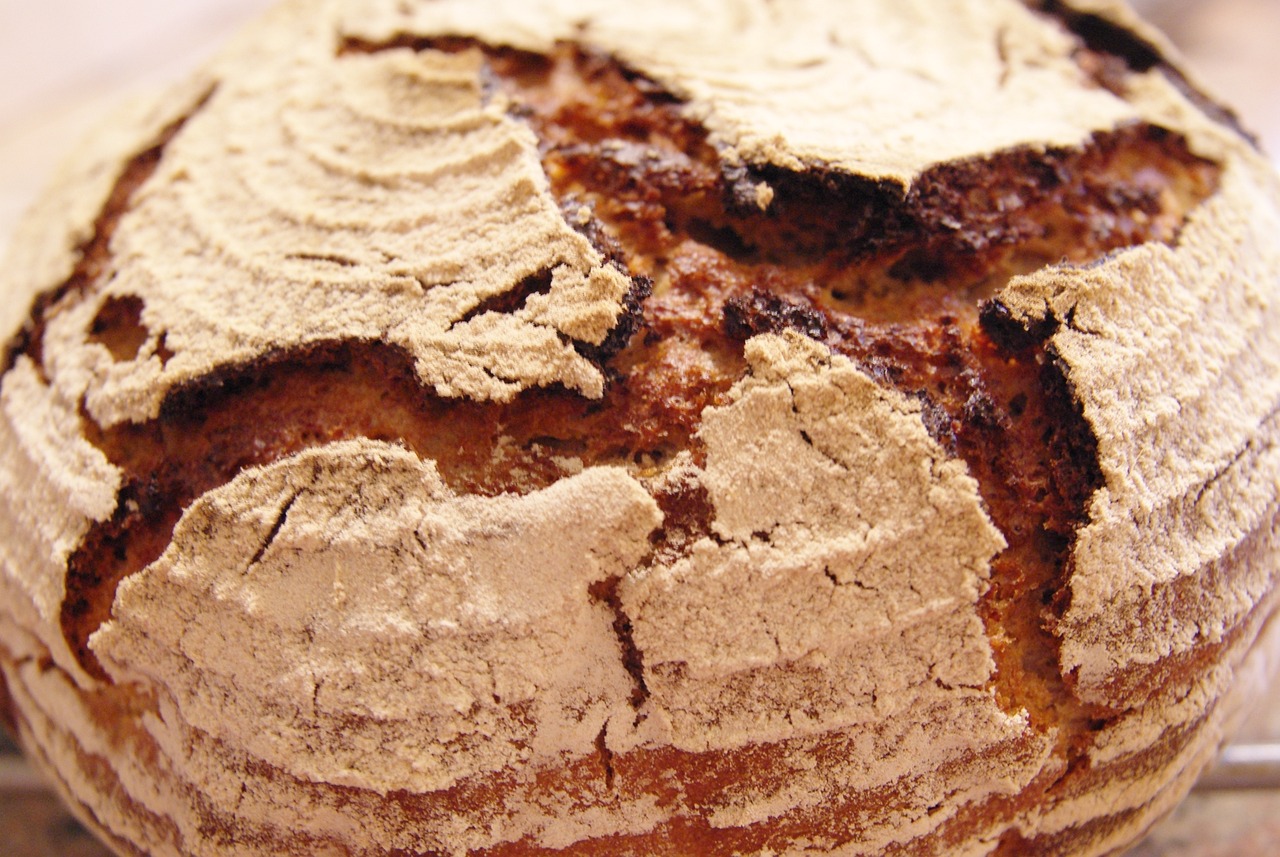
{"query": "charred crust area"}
[(630, 320), (631, 317), (1010, 333), (1109, 53), (760, 311), (901, 283)]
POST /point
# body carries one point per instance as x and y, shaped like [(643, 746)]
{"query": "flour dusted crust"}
[(773, 81), (402, 214), (384, 569), (828, 575), (566, 663)]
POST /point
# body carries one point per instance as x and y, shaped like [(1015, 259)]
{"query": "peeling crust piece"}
[(374, 197), (711, 427), (1185, 486), (379, 632), (828, 574)]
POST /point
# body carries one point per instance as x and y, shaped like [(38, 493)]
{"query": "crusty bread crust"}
[(546, 434)]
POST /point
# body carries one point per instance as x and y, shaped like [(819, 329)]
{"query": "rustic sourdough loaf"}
[(698, 427)]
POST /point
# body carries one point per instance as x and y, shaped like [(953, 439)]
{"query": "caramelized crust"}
[(906, 285), (894, 282)]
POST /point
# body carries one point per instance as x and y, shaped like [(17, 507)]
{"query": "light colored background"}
[(63, 63)]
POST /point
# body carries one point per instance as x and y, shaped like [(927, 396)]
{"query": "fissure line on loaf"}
[(605, 592)]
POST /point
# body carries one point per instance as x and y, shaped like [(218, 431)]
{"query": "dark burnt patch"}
[(1012, 334), (938, 422), (580, 216), (630, 319), (760, 311)]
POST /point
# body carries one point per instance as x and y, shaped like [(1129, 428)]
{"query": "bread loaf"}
[(714, 427)]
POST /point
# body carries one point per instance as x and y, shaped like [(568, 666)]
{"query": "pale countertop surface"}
[(63, 63)]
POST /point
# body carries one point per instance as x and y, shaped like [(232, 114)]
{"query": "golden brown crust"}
[(533, 283)]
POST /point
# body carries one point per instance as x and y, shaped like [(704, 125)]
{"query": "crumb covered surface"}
[(503, 283)]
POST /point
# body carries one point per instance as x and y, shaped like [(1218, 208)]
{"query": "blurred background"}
[(64, 63)]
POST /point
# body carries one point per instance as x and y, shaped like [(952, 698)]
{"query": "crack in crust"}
[(623, 146), (606, 592), (894, 282), (8, 717)]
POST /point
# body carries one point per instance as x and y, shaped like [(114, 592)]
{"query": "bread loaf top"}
[(346, 172), (301, 173)]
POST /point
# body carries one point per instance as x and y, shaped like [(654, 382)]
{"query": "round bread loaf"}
[(698, 427)]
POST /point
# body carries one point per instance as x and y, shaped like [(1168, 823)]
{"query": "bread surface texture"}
[(711, 427)]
